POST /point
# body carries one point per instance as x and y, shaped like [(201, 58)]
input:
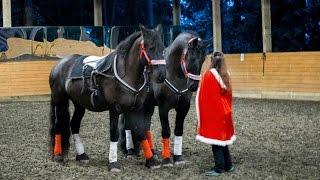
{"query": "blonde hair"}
[(218, 62)]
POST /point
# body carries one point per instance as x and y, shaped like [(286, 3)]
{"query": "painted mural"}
[(23, 43), (36, 43)]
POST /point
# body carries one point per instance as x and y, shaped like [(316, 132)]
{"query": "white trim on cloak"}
[(215, 141), (218, 78)]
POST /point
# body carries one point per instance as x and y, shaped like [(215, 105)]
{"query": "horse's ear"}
[(194, 42), (143, 29), (159, 28)]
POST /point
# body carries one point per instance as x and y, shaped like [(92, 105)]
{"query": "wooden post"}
[(266, 26), (6, 9), (28, 12), (176, 12), (97, 12), (216, 18)]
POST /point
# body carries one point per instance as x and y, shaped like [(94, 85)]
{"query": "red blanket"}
[(214, 111)]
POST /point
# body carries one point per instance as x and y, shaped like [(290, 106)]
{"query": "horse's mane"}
[(194, 33), (179, 41), (125, 45)]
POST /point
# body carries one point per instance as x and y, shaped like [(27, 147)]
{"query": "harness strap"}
[(150, 61), (173, 88), (134, 90), (183, 64)]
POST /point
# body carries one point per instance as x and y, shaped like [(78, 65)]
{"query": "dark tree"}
[(241, 26), (297, 26)]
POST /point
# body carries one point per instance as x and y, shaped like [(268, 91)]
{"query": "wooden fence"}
[(293, 75)]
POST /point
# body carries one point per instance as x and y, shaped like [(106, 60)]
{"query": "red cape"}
[(214, 111)]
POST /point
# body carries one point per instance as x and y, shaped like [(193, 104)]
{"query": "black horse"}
[(117, 83), (184, 59)]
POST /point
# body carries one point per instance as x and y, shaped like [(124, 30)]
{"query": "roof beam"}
[(6, 9), (216, 18), (266, 25), (97, 12), (176, 12)]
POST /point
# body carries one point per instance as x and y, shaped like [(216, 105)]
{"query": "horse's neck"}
[(173, 68), (133, 66)]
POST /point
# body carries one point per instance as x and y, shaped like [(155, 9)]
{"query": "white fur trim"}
[(177, 145), (113, 156), (197, 106), (218, 78), (129, 142), (215, 141), (78, 144)]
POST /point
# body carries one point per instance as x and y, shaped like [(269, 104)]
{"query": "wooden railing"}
[(293, 75)]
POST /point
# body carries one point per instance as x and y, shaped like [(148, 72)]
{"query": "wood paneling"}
[(278, 75), (25, 78), (281, 75)]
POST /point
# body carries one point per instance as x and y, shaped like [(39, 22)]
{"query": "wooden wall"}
[(25, 78), (293, 75)]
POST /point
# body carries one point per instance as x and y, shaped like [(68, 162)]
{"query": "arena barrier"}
[(286, 75), (292, 75)]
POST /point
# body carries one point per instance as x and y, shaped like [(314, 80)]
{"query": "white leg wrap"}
[(113, 156), (78, 144), (177, 145), (129, 142)]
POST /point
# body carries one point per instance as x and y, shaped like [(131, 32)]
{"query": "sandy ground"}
[(276, 140)]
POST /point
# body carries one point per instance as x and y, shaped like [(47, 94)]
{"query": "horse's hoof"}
[(83, 158), (114, 167), (131, 154), (178, 160), (155, 154), (152, 163), (167, 162), (58, 158)]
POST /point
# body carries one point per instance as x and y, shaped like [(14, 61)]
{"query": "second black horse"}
[(184, 59)]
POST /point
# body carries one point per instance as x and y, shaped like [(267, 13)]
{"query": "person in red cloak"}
[(214, 113)]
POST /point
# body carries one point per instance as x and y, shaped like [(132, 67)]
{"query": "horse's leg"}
[(122, 134), (182, 111), (129, 137), (60, 129), (114, 137), (166, 154), (75, 128), (133, 145), (139, 128), (128, 143), (149, 135)]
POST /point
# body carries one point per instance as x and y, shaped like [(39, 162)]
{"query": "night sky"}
[(295, 23)]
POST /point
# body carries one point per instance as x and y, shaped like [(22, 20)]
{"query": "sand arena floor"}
[(276, 140)]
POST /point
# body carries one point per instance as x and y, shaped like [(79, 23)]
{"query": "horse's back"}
[(62, 67), (59, 75)]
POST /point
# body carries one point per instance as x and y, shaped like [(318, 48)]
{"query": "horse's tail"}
[(59, 127)]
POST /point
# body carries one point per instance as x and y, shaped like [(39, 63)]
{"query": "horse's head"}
[(152, 48), (192, 60)]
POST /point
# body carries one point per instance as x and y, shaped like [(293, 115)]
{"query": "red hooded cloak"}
[(214, 111)]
